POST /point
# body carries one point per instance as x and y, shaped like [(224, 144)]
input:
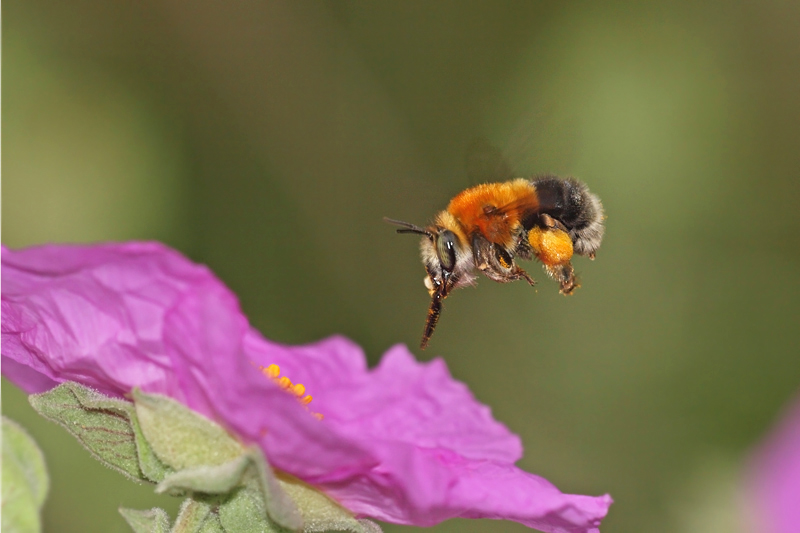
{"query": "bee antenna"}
[(408, 227)]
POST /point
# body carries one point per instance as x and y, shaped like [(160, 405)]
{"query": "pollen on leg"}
[(552, 246)]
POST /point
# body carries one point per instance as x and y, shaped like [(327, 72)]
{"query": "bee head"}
[(447, 259), (446, 255)]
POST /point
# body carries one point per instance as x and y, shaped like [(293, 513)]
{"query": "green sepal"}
[(208, 479), (195, 516), (25, 480), (105, 426), (368, 526), (150, 465), (180, 437), (206, 458), (153, 520), (192, 516), (211, 525), (244, 511), (157, 439), (280, 505), (320, 513)]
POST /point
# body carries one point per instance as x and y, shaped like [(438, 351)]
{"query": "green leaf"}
[(25, 480), (154, 520), (180, 437), (105, 426)]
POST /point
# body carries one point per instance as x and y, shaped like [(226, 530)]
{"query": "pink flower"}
[(775, 477), (403, 442)]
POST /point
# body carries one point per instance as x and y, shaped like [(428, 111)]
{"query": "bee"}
[(488, 227)]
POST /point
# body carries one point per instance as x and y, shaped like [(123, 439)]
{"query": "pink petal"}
[(775, 477), (92, 314), (400, 400), (424, 486)]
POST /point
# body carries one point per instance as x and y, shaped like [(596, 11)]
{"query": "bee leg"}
[(519, 273), (564, 274), (496, 262), (551, 223), (482, 250)]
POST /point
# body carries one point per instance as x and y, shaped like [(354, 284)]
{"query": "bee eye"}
[(446, 250)]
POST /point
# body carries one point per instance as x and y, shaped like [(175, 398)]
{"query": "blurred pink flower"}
[(774, 482), (403, 443)]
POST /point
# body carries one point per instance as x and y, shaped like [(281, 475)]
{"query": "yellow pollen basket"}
[(551, 245), (273, 372)]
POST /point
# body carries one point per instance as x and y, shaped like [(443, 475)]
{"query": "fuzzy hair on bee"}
[(488, 227), (569, 201)]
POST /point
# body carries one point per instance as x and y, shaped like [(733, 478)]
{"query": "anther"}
[(273, 371)]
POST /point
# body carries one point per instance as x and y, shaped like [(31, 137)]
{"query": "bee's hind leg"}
[(564, 274), (553, 247)]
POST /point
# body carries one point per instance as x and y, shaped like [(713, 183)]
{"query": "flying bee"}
[(489, 226)]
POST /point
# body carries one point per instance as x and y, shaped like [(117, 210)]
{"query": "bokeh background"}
[(267, 140)]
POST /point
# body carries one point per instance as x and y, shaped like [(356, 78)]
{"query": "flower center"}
[(273, 372)]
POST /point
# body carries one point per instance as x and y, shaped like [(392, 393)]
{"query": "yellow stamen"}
[(273, 372)]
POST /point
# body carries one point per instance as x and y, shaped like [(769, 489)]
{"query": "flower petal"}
[(426, 486), (775, 477), (400, 400), (404, 401), (91, 314)]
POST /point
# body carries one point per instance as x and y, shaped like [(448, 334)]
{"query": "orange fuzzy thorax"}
[(494, 209)]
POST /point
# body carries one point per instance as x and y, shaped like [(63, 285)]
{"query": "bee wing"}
[(520, 205), (486, 163)]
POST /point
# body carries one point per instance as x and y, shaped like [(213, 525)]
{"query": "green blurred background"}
[(267, 140)]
